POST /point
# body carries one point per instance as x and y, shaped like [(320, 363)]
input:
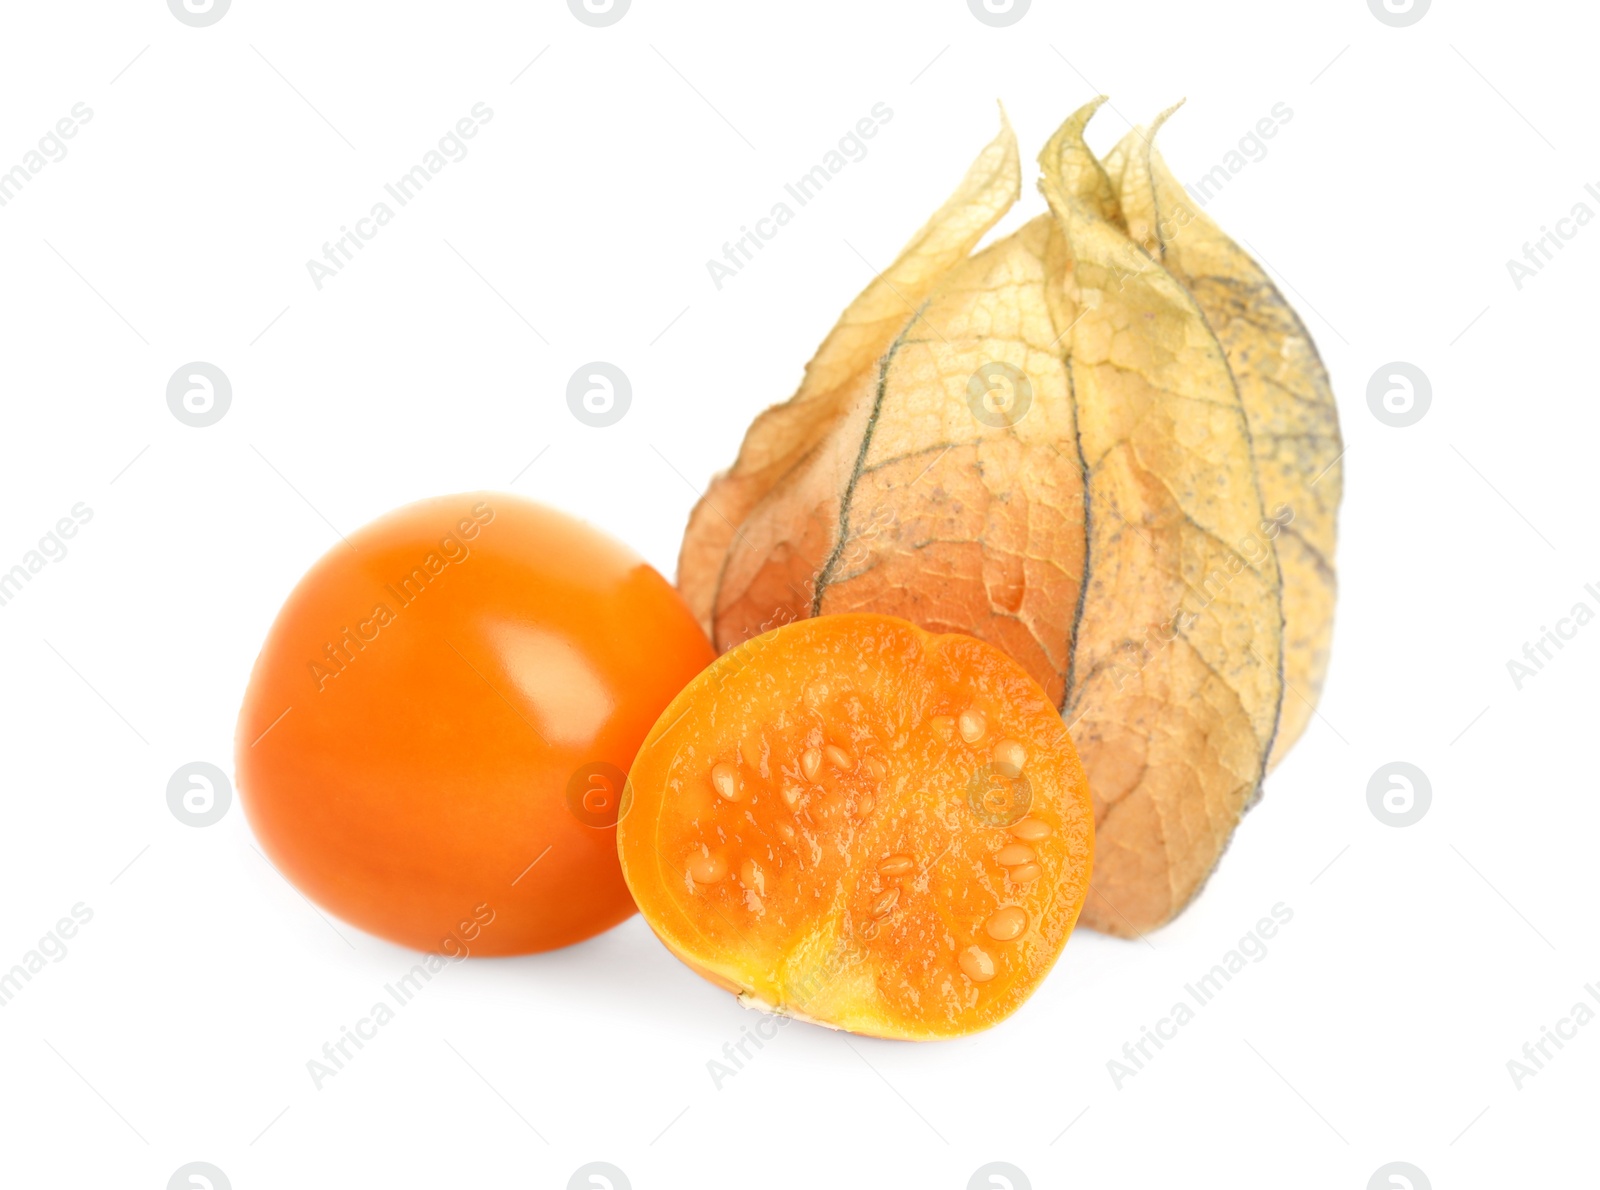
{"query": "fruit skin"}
[(406, 787), (812, 962)]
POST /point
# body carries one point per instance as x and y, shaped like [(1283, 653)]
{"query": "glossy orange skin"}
[(407, 748)]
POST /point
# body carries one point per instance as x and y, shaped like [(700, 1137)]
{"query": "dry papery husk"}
[(1104, 443)]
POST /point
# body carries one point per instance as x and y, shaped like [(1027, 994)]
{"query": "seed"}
[(706, 869), (977, 964), (785, 832), (753, 878), (1031, 829), (1009, 757), (839, 758), (810, 762), (1006, 924), (876, 767), (866, 804), (868, 930), (896, 865), (1014, 853), (972, 725), (725, 779), (1026, 873), (791, 794), (885, 903)]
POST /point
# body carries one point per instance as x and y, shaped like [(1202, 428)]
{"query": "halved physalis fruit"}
[(862, 824)]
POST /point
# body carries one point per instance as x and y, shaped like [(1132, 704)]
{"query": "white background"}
[(178, 1026)]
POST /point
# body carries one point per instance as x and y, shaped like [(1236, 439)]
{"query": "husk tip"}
[(1155, 125)]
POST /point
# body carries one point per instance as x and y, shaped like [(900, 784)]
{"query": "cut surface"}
[(863, 824)]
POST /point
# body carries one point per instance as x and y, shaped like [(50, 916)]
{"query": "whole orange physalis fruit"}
[(434, 739)]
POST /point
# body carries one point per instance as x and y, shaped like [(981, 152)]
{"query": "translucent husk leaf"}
[(1175, 682), (953, 522), (788, 447), (1294, 422), (1111, 535)]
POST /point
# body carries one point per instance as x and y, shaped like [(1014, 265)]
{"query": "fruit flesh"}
[(418, 746), (859, 823)]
